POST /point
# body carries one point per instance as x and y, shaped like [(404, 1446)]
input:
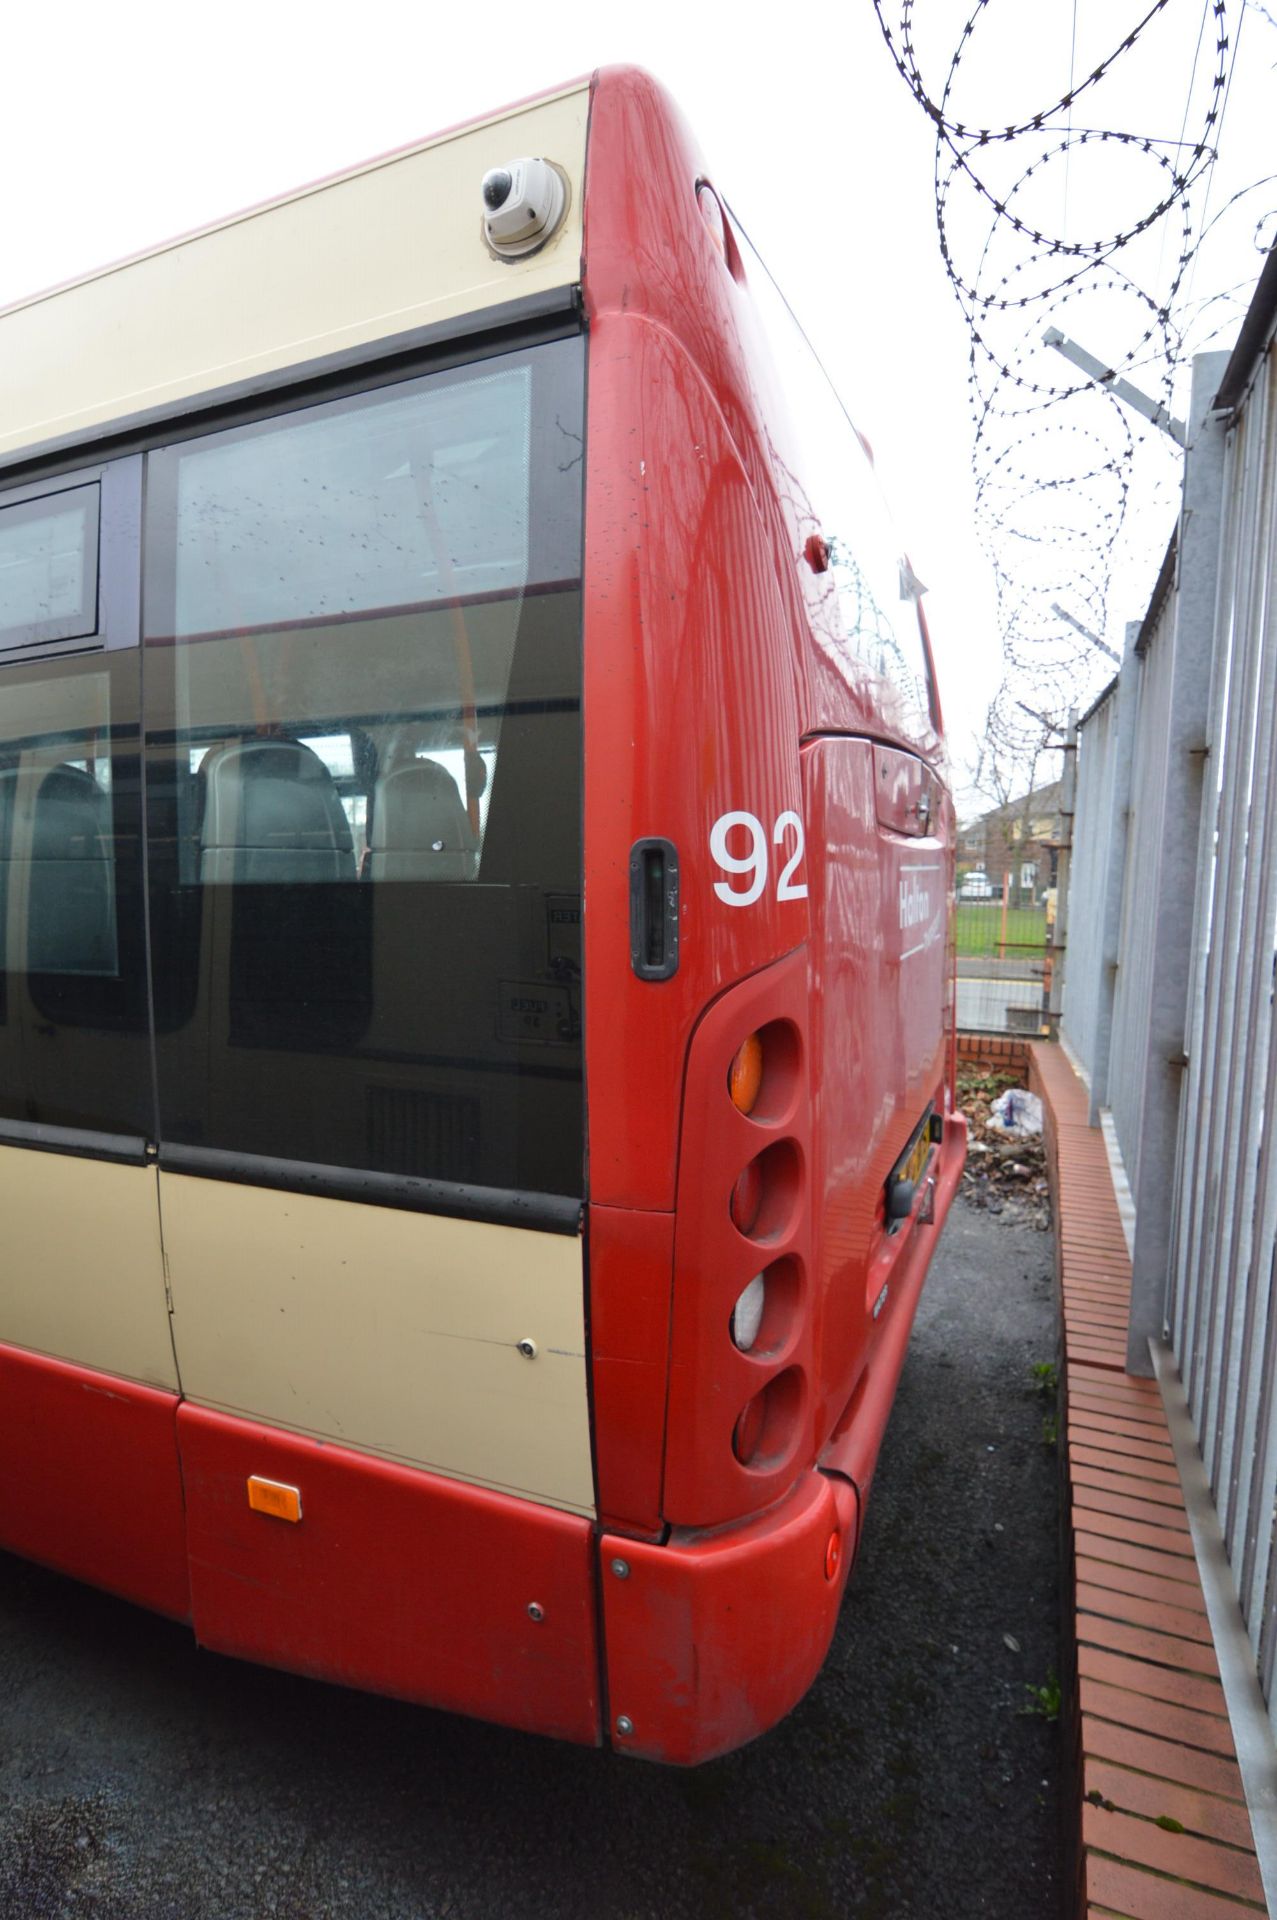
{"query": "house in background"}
[(1015, 845)]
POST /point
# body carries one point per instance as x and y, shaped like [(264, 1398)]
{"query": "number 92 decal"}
[(747, 830)]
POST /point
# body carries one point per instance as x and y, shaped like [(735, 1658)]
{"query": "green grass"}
[(980, 928)]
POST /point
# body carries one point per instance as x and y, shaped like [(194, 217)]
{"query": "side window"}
[(871, 607), (49, 568)]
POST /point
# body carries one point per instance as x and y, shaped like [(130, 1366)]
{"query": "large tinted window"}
[(363, 681)]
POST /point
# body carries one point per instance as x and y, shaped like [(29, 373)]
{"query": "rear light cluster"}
[(740, 1422), (765, 1197)]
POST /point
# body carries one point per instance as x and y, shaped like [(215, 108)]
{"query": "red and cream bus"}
[(475, 1070)]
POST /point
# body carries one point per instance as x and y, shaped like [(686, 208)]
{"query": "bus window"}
[(48, 568), (363, 695)]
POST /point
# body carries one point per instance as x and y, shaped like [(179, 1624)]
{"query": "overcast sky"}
[(125, 124)]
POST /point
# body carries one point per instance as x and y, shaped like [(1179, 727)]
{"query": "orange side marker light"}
[(745, 1075), (273, 1497)]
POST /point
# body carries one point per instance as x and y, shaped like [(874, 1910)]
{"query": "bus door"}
[(88, 1462)]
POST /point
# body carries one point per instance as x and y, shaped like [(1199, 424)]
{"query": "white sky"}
[(124, 124)]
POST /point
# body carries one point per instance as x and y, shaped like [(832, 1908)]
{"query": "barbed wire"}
[(1070, 487)]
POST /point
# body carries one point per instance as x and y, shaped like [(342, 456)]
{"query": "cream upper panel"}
[(82, 1274), (379, 251)]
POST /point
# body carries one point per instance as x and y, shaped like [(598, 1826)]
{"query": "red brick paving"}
[(1163, 1829)]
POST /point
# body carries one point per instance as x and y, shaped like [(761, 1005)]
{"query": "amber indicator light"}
[(745, 1075), (273, 1497)]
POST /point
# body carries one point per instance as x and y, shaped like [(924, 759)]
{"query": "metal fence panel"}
[(1224, 1253), (1133, 990), (1092, 827)]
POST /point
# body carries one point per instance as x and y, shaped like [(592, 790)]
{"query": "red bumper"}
[(712, 1638)]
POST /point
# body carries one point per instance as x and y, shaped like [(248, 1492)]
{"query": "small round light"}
[(747, 1198), (747, 1314), (745, 1075), (833, 1555)]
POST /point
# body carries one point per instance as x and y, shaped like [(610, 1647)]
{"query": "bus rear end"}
[(474, 1113), (768, 837)]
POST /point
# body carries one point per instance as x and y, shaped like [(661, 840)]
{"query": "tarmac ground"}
[(142, 1779)]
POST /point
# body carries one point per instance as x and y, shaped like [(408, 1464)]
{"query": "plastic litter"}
[(1017, 1112)]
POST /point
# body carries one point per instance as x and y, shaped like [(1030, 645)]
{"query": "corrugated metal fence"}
[(1172, 963)]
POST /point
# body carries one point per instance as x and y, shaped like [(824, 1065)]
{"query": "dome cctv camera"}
[(496, 188), (523, 204)]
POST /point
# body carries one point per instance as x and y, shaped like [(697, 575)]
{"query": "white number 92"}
[(755, 862)]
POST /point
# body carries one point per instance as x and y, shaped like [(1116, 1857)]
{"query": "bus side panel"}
[(385, 1330), (856, 1442), (649, 250), (878, 1042), (392, 1580), (89, 1479), (691, 715), (83, 1272)]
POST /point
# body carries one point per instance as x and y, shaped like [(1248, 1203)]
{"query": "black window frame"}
[(116, 486)]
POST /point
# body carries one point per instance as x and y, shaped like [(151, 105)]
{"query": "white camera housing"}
[(523, 205)]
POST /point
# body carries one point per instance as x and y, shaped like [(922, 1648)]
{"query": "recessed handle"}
[(654, 909)]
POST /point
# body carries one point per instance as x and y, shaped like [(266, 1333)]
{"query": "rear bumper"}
[(712, 1638)]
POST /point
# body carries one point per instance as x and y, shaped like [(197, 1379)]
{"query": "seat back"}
[(71, 902), (272, 813), (420, 830)]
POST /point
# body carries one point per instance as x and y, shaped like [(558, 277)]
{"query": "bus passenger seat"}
[(71, 907), (272, 814), (420, 830)]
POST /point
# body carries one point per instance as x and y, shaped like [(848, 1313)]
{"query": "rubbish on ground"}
[(1006, 1171), (1018, 1112)]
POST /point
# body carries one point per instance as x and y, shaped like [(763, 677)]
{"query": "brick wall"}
[(994, 1053)]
